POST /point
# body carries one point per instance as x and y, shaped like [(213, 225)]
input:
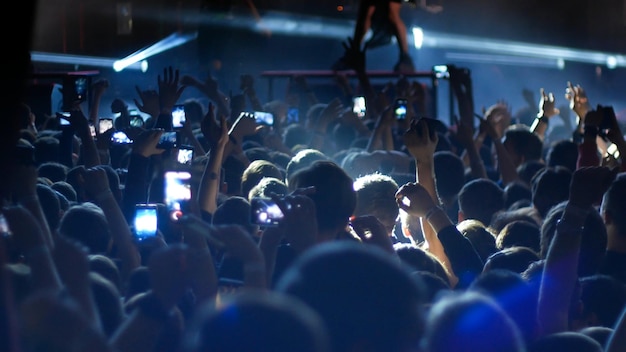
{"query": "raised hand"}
[(245, 125), (547, 105), (216, 134), (100, 86), (420, 141), (589, 184), (414, 199), (170, 89), (331, 112), (578, 101), (96, 182), (149, 102), (146, 143), (370, 230), (499, 116), (299, 225)]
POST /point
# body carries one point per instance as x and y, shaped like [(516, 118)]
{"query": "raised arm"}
[(560, 275), (421, 143), (97, 189), (461, 256), (217, 137), (547, 109)]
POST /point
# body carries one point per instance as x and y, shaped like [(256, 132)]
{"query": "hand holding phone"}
[(265, 212), (400, 108), (177, 193), (145, 222), (178, 116)]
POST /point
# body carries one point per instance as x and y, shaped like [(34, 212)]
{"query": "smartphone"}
[(120, 137), (441, 71), (265, 212), (400, 108), (177, 193), (145, 222), (293, 116), (358, 106), (92, 129), (74, 91), (168, 140), (185, 155), (178, 116), (264, 118), (104, 124)]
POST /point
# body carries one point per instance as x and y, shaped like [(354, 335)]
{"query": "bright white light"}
[(503, 47), (144, 66), (611, 62), (560, 63), (167, 43), (37, 56), (418, 37), (503, 59)]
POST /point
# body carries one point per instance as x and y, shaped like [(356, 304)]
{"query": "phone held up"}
[(145, 222), (358, 106), (265, 212), (177, 193), (400, 108), (178, 116)]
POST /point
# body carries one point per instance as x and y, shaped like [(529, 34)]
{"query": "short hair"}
[(502, 218), (563, 153), (106, 267), (515, 192), (334, 196), (294, 134), (420, 260), (54, 171), (65, 189), (520, 233), (470, 321), (50, 205), (565, 341), (449, 173), (255, 171), (524, 143), (480, 199), (47, 149), (603, 296), (87, 224), (264, 321), (593, 241), (355, 287), (528, 169), (303, 159), (549, 187), (235, 210), (513, 294), (613, 203), (516, 259), (376, 195), (599, 333), (266, 186), (483, 241)]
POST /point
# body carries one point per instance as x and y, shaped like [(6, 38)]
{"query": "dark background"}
[(89, 27)]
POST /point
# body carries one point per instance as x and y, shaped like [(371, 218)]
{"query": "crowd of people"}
[(393, 232)]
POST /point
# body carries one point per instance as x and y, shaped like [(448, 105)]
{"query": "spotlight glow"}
[(504, 47), (167, 43), (37, 56)]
